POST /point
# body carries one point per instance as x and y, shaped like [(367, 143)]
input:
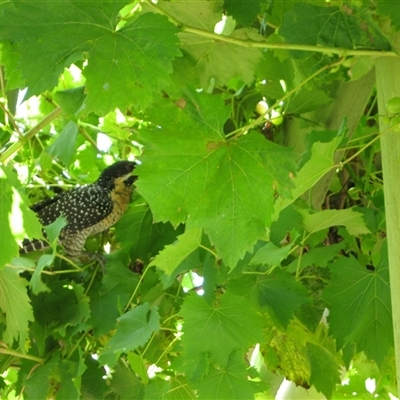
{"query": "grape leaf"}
[(133, 330), (70, 373), (318, 256), (313, 170), (231, 382), (140, 235), (216, 62), (15, 216), (8, 245), (324, 369), (194, 174), (55, 379), (38, 384), (126, 383), (194, 368), (273, 70), (307, 100), (157, 389), (278, 292), (70, 100), (67, 307), (138, 365), (106, 301), (15, 303), (93, 386), (179, 389), (390, 9), (170, 258), (36, 283), (352, 220), (269, 254), (138, 63), (125, 66), (63, 147), (289, 352), (231, 324), (244, 11), (329, 26), (360, 306), (202, 14)]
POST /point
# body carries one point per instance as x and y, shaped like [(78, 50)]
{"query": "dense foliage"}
[(254, 247)]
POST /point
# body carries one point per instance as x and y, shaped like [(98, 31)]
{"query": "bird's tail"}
[(29, 245)]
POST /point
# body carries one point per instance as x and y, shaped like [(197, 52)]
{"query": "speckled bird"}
[(88, 209)]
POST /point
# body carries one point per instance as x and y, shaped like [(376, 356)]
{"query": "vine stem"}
[(15, 147), (263, 44), (44, 272), (370, 143), (388, 88), (21, 355), (136, 289)]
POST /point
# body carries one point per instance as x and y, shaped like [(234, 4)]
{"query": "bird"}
[(88, 209)]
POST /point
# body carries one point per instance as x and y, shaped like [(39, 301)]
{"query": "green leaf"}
[(10, 59), (279, 292), (273, 70), (194, 368), (201, 14), (230, 382), (106, 301), (329, 26), (53, 230), (360, 306), (307, 100), (64, 144), (38, 384), (125, 383), (15, 303), (70, 100), (93, 385), (140, 235), (67, 307), (217, 62), (231, 324), (390, 9), (144, 48), (289, 350), (15, 216), (243, 11), (157, 389), (173, 255), (133, 330), (138, 365), (270, 255), (54, 379), (36, 282), (7, 242), (194, 174), (324, 369), (125, 65), (314, 169), (318, 256), (352, 220), (70, 375)]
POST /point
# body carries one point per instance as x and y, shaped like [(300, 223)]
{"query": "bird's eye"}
[(129, 167)]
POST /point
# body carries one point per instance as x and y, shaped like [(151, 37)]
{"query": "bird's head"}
[(121, 172)]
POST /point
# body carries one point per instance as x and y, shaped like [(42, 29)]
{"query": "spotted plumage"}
[(88, 209)]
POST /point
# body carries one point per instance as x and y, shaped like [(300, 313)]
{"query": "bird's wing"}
[(46, 202), (82, 207)]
